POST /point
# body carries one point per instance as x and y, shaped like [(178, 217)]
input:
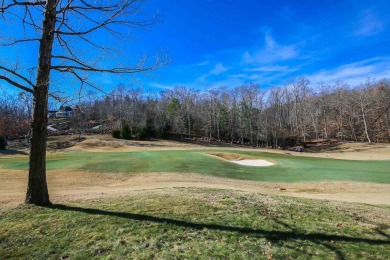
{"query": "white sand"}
[(260, 163)]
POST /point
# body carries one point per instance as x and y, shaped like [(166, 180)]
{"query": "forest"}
[(279, 117)]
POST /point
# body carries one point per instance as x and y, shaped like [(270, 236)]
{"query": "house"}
[(51, 113), (65, 112)]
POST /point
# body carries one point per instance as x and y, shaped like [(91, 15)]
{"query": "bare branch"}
[(85, 67), (121, 8), (14, 83), (112, 70), (83, 80), (20, 3), (97, 15), (18, 41), (87, 7), (13, 72)]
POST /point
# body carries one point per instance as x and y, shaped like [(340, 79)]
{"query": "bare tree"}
[(365, 104), (63, 25)]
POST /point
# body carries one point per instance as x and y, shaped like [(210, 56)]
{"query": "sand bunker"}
[(242, 159), (250, 162)]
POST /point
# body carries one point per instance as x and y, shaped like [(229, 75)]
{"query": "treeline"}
[(281, 116), (15, 114), (290, 115)]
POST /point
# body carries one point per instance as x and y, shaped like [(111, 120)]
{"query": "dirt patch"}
[(231, 156), (68, 186), (107, 143), (342, 146), (354, 151), (309, 190), (358, 155), (59, 145), (91, 144)]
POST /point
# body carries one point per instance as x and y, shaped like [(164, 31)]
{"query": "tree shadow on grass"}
[(381, 232), (270, 235)]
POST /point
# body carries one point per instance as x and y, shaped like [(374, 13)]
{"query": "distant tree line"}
[(284, 116), (15, 114)]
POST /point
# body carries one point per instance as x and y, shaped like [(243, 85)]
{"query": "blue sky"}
[(216, 43), (228, 43)]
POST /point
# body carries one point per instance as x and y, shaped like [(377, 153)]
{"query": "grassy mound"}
[(196, 223)]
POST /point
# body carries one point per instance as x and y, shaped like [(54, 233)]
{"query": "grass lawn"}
[(287, 169), (196, 224)]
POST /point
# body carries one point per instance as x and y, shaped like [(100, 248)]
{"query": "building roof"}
[(65, 109)]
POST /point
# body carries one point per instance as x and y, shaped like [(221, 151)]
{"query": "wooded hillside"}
[(279, 117)]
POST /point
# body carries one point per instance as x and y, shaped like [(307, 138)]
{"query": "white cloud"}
[(272, 52), (354, 73), (218, 69), (238, 76), (160, 86), (203, 63), (368, 24), (272, 68)]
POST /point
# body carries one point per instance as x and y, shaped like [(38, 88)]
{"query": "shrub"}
[(145, 132), (163, 131), (149, 129), (116, 134), (3, 143), (125, 132), (141, 134)]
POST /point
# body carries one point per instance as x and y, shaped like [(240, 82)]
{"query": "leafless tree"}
[(62, 32), (237, 115)]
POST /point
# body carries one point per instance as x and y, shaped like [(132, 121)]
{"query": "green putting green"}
[(287, 169)]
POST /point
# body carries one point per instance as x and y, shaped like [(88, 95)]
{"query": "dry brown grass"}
[(69, 186), (309, 190), (231, 156)]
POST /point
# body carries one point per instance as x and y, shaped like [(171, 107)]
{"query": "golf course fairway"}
[(287, 168)]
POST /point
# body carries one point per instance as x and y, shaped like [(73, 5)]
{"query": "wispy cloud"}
[(218, 69), (203, 63), (272, 68), (272, 52), (354, 73), (240, 76), (160, 86), (368, 24)]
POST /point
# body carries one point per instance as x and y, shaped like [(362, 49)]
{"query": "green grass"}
[(196, 224), (287, 169)]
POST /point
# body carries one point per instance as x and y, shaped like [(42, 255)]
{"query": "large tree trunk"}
[(37, 192)]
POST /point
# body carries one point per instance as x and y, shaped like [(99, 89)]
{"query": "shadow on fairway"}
[(321, 239)]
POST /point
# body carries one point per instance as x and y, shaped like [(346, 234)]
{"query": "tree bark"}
[(362, 106), (365, 126), (37, 192)]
